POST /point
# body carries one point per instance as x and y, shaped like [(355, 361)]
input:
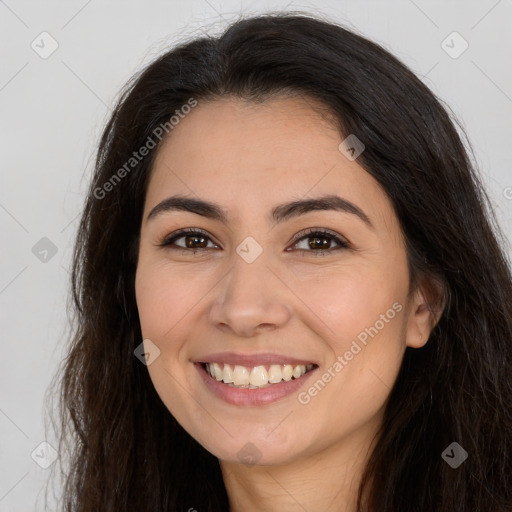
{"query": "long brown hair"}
[(124, 449)]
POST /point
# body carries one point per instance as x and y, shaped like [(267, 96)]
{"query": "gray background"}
[(52, 112)]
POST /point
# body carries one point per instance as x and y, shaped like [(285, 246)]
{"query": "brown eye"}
[(314, 241), (193, 239), (320, 241)]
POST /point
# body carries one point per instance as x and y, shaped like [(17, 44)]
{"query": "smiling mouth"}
[(255, 377)]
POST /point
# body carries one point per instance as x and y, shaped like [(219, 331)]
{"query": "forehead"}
[(253, 138), (246, 156)]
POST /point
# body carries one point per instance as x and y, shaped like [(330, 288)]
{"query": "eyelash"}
[(308, 233)]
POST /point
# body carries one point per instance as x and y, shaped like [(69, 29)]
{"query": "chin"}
[(254, 450)]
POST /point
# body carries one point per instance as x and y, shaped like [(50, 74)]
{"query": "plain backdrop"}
[(53, 108)]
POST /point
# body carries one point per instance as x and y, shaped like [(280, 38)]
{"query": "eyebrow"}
[(279, 214)]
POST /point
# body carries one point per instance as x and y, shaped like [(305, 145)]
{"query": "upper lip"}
[(251, 360)]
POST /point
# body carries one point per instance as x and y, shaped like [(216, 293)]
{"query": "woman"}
[(291, 292)]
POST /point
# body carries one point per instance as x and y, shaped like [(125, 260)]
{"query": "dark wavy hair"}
[(123, 448)]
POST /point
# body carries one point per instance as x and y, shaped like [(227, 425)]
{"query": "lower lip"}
[(246, 396)]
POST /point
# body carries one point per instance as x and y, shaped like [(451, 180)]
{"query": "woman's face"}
[(260, 295)]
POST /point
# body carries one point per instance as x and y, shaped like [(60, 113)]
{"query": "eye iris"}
[(191, 244), (316, 241), (319, 243)]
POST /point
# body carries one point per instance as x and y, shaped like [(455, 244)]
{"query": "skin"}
[(248, 158)]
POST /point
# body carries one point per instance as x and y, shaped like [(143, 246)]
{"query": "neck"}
[(327, 480)]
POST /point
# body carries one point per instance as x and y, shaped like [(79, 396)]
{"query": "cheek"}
[(359, 313), (162, 310), (349, 300), (152, 297), (164, 296)]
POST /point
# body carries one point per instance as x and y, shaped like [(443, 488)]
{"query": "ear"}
[(427, 306)]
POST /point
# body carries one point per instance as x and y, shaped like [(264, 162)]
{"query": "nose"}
[(250, 300)]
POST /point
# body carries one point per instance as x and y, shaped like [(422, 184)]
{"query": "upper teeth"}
[(256, 376)]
